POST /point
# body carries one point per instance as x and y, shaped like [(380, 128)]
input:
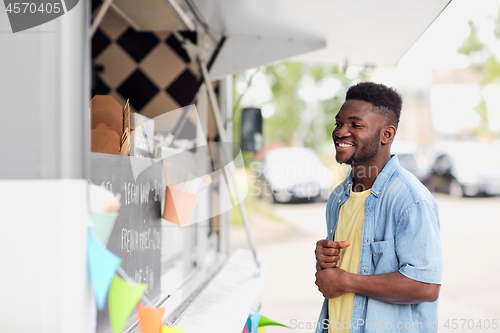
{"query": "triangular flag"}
[(102, 266), (122, 300), (264, 321), (245, 328), (103, 225), (150, 319), (249, 323), (172, 329), (262, 329), (255, 315)]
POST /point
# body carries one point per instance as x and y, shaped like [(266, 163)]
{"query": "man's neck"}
[(365, 174)]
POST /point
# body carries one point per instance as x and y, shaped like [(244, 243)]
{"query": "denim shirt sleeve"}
[(418, 243)]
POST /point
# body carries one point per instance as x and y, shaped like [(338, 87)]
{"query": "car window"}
[(442, 164)]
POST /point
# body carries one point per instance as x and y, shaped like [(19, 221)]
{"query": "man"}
[(380, 267)]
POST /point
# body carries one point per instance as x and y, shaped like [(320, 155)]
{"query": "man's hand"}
[(330, 282), (327, 253)]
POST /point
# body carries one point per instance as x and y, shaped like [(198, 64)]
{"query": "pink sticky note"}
[(150, 319)]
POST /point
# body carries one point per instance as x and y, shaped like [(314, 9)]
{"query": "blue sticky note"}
[(102, 266), (255, 320)]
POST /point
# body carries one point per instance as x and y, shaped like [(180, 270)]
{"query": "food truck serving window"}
[(173, 246)]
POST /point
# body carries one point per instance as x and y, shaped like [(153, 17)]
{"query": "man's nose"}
[(340, 132)]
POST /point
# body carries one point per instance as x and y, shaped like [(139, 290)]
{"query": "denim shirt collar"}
[(380, 183)]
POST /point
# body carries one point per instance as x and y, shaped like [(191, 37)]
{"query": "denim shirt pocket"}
[(384, 256)]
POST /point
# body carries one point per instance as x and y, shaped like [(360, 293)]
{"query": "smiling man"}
[(380, 267)]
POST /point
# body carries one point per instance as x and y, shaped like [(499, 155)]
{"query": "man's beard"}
[(367, 152)]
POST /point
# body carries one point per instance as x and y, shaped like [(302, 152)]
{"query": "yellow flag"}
[(172, 329)]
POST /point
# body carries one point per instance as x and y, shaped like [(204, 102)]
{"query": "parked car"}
[(412, 158), (466, 169), (288, 174)]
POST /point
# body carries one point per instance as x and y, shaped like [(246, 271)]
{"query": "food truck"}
[(136, 96)]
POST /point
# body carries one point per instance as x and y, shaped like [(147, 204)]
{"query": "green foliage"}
[(483, 59), (491, 70), (472, 43), (237, 110), (496, 30), (285, 80), (482, 111)]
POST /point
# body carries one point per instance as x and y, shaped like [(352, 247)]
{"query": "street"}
[(469, 294)]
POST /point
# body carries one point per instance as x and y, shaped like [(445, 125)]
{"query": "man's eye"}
[(356, 125)]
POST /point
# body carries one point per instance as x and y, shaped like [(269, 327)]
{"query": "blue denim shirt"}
[(401, 232)]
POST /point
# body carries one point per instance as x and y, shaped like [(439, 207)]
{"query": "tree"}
[(301, 117), (483, 58)]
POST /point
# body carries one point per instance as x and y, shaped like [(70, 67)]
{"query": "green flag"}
[(264, 321), (122, 299)]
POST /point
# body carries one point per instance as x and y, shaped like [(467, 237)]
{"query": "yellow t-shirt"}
[(349, 227)]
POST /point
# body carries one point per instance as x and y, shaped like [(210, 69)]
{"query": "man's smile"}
[(343, 144)]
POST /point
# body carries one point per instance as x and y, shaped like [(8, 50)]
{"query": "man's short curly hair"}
[(386, 101)]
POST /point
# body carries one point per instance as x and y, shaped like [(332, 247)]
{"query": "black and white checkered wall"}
[(151, 69)]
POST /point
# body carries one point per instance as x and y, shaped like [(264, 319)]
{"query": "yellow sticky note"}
[(172, 329)]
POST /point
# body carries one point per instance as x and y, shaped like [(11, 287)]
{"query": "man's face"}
[(357, 132)]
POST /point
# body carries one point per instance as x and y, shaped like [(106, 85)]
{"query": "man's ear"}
[(387, 134)]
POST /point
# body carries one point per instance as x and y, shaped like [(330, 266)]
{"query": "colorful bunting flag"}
[(150, 319), (102, 266), (259, 329), (103, 225), (122, 300), (264, 321), (249, 323), (255, 319), (172, 329)]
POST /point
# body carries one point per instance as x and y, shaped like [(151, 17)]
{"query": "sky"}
[(437, 47)]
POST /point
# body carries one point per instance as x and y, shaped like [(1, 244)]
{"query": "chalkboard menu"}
[(136, 236)]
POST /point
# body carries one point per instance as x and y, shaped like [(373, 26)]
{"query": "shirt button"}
[(331, 230), (369, 211), (367, 241), (364, 271), (377, 192), (359, 304), (339, 200)]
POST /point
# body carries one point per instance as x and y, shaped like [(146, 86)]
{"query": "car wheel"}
[(456, 189)]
